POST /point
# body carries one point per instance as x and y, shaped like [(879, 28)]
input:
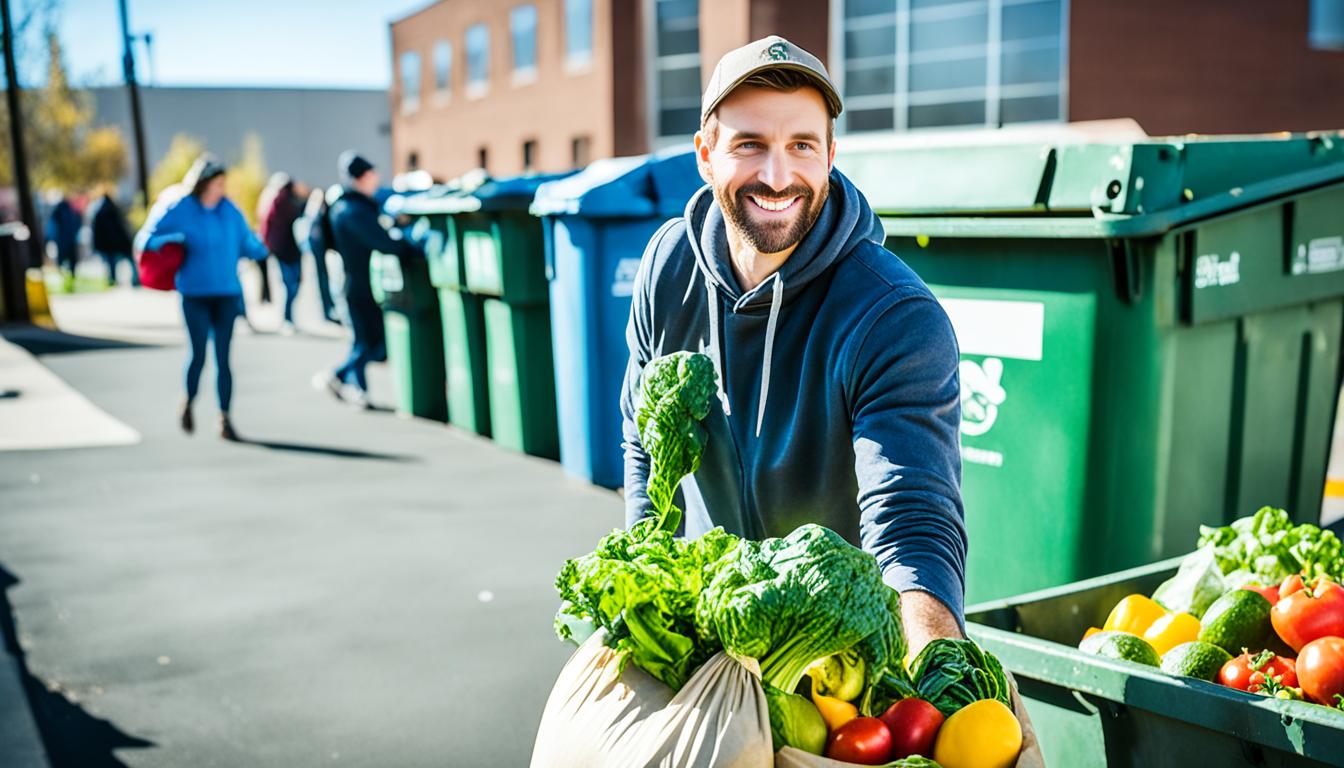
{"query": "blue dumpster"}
[(596, 224)]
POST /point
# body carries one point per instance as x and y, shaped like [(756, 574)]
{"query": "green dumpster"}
[(414, 337), (461, 312), (1089, 711), (1149, 336), (500, 258)]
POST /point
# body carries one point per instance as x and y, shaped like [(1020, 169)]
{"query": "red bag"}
[(158, 267)]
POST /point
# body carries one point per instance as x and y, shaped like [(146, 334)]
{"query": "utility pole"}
[(27, 211), (137, 121)]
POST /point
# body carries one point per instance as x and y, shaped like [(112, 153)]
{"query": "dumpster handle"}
[(1128, 269), (548, 246)]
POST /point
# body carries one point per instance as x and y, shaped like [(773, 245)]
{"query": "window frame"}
[(1317, 40), (993, 93), (442, 94), (656, 64), (578, 60), (476, 89), (522, 75), (409, 98)]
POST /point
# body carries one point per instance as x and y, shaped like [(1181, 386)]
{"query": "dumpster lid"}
[(1062, 173), (659, 184), (481, 193)]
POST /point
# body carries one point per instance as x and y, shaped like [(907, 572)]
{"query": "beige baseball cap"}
[(773, 52)]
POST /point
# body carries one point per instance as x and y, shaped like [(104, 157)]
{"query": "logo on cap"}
[(776, 52)]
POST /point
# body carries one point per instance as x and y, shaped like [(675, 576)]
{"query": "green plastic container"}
[(522, 378), (1149, 334), (1089, 711), (463, 317), (414, 333)]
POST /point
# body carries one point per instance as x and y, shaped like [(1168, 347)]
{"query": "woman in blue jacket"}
[(215, 236)]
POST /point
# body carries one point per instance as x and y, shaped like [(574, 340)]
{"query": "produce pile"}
[(809, 611), (1270, 607)]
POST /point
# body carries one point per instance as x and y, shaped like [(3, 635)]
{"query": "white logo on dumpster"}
[(1210, 270), (981, 395)]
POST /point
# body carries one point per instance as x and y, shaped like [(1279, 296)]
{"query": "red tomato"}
[(1310, 613), (1322, 665), (1238, 673), (1271, 593), (1290, 585), (914, 725), (863, 740)]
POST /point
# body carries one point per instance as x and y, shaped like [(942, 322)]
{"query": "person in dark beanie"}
[(215, 236), (356, 234), (111, 239)]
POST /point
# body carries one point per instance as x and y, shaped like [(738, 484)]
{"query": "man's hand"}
[(926, 619)]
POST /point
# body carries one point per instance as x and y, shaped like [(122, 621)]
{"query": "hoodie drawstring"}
[(776, 299), (714, 354)]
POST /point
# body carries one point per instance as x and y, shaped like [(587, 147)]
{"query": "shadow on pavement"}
[(327, 450), (45, 341), (71, 736)]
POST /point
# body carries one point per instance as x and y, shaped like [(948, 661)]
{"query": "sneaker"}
[(226, 430), (188, 423), (357, 397), (324, 381)]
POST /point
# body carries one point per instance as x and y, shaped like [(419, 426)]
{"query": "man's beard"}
[(774, 236)]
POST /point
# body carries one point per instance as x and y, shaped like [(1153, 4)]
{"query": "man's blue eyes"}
[(800, 145)]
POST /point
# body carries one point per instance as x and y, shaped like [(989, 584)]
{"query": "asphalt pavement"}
[(342, 588)]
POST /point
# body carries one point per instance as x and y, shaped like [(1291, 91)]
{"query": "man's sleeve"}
[(907, 416), (373, 236), (639, 337)]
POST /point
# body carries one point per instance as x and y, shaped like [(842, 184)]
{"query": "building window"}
[(523, 30), (931, 63), (413, 161), (578, 32), (1326, 24), (482, 158), (478, 59), (676, 67), (580, 151), (443, 68), (529, 155), (410, 82)]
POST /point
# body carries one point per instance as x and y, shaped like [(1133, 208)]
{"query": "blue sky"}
[(321, 43)]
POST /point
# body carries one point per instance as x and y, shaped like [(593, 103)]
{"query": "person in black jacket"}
[(356, 233), (277, 211), (111, 238)]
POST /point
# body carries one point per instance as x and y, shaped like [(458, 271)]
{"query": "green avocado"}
[(1195, 659), (1239, 619), (1121, 645)]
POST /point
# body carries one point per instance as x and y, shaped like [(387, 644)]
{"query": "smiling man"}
[(837, 368)]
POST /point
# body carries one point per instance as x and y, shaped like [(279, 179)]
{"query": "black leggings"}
[(208, 316)]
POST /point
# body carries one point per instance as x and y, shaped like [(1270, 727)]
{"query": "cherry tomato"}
[(1240, 674), (1271, 593), (1322, 666), (914, 725), (1309, 613), (863, 740)]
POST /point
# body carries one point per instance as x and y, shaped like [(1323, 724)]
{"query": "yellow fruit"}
[(1172, 630), (1134, 614), (836, 712), (984, 734), (1091, 631)]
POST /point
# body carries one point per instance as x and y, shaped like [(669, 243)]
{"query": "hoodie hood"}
[(845, 221)]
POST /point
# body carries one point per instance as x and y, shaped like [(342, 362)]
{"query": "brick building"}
[(546, 85)]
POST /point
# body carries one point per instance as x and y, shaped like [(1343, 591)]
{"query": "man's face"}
[(368, 182), (769, 164)]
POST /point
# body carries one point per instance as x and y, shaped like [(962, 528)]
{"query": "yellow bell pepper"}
[(836, 712), (983, 734), (1172, 630), (1091, 631), (1134, 614)]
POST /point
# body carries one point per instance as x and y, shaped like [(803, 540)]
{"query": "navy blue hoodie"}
[(841, 403)]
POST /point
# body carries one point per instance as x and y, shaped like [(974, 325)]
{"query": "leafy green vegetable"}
[(794, 721), (675, 393), (1267, 547), (949, 674), (788, 602), (643, 591), (1197, 583), (914, 761), (883, 653)]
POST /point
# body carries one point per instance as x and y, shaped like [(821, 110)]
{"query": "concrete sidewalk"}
[(345, 588)]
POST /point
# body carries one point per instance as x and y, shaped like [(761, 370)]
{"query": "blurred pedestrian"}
[(277, 211), (357, 233), (111, 239), (215, 236), (63, 225), (313, 232)]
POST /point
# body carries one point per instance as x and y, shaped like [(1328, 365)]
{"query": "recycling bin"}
[(1090, 711), (1149, 335), (494, 249), (414, 335), (596, 225)]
